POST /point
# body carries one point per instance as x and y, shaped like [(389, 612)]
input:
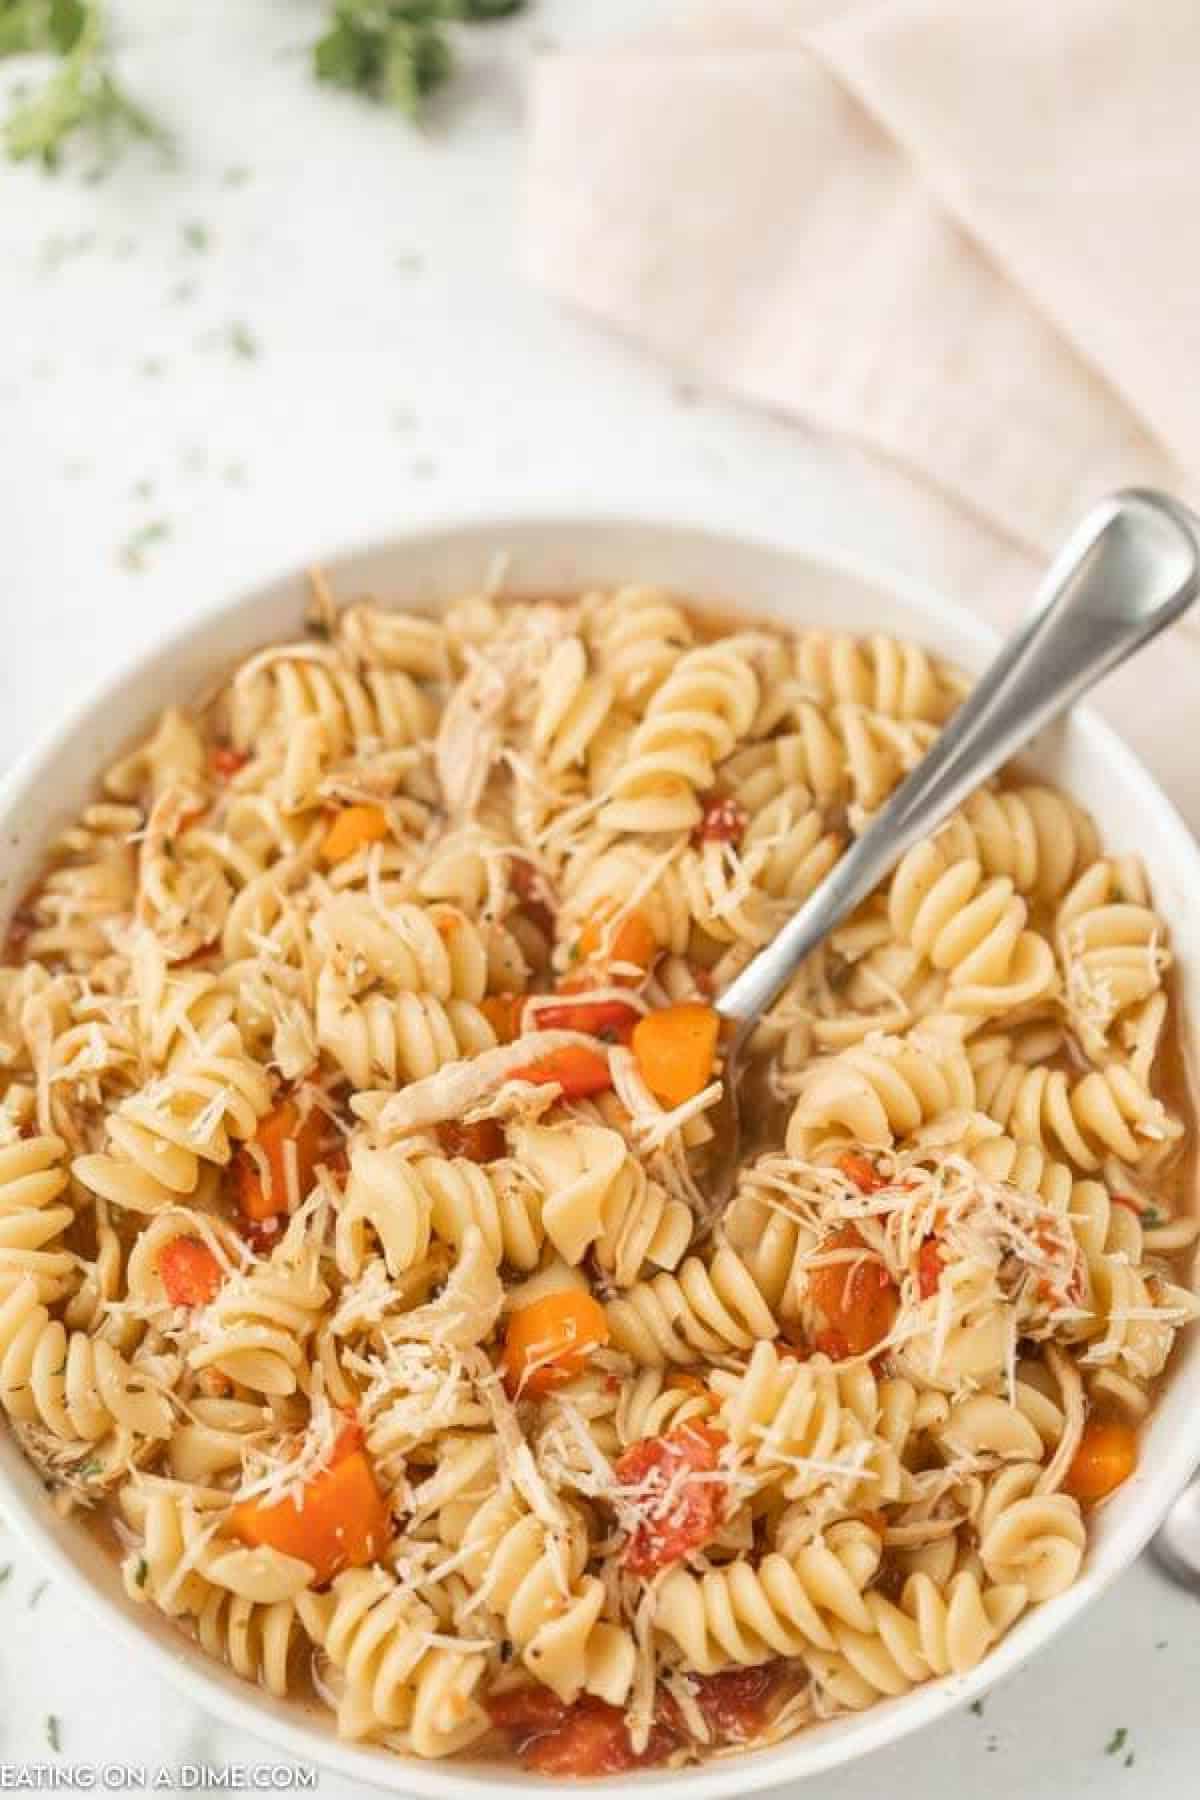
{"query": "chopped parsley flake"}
[(1116, 1742), (132, 554), (242, 340)]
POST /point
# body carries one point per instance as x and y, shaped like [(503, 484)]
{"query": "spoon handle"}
[(1130, 568)]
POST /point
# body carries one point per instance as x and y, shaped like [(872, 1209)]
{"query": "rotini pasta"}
[(359, 1129), (972, 928)]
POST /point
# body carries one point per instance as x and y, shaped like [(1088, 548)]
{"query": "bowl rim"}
[(206, 1682)]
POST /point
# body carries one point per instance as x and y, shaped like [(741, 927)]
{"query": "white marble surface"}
[(401, 369)]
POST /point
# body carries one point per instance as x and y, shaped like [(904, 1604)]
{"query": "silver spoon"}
[(1130, 569)]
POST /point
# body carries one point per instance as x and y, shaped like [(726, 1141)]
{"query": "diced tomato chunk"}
[(578, 1071), (481, 1142), (224, 761), (723, 821), (680, 1514), (929, 1268), (589, 1737), (261, 1235), (611, 1020), (738, 1704), (861, 1171), (527, 1710), (857, 1298), (190, 1272)]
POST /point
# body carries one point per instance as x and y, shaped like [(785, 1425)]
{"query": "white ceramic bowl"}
[(562, 554)]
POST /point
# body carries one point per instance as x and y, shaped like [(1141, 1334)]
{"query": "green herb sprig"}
[(82, 95), (397, 51)]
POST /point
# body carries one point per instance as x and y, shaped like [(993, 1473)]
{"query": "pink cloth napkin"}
[(965, 238)]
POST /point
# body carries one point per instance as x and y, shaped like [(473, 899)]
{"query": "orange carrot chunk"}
[(577, 1070), (675, 1050), (683, 1514), (503, 1014), (278, 1129), (190, 1272), (549, 1341), (341, 1522), (353, 829), (1107, 1456), (632, 943), (683, 1381)]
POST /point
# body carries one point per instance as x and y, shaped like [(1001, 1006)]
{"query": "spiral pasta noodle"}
[(928, 1634), (91, 883), (596, 1193), (379, 1040), (33, 1217), (884, 673), (365, 1270), (701, 1311), (638, 633), (552, 1611), (881, 1091), (1105, 1112), (255, 1329), (746, 1615), (974, 929), (76, 1386), (405, 1200), (160, 1135), (259, 1642), (376, 1636), (692, 721), (1112, 948)]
